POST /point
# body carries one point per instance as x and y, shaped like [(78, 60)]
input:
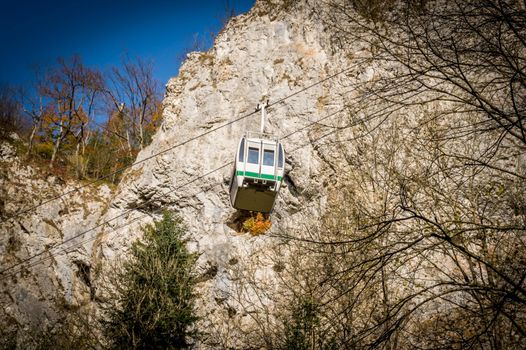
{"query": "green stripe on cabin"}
[(257, 175)]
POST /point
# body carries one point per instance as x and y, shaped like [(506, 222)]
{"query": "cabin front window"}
[(268, 157), (253, 155)]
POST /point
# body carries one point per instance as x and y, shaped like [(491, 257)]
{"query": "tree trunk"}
[(385, 304), (31, 138), (141, 122), (141, 136), (130, 150), (78, 164), (57, 143)]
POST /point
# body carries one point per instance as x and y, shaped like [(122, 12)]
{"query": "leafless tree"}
[(135, 97), (71, 89), (33, 106), (428, 250), (470, 53), (9, 111)]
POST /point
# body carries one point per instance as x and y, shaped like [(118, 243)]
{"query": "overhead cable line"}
[(177, 145), (144, 204), (352, 124)]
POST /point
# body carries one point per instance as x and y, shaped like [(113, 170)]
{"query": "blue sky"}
[(38, 32)]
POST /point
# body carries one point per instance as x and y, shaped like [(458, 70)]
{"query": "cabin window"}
[(253, 155), (268, 157), (280, 157), (242, 150)]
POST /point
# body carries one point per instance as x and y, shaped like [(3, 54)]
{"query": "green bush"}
[(71, 331), (44, 149), (303, 329), (299, 330), (153, 305)]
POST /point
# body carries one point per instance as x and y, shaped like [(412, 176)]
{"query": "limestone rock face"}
[(259, 56), (35, 291), (266, 54), (348, 151), (275, 52)]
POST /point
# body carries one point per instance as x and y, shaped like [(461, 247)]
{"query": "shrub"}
[(257, 225), (71, 331), (300, 328), (153, 304), (11, 118), (44, 150), (303, 329)]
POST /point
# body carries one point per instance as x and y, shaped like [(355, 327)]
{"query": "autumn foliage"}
[(83, 122), (257, 224)]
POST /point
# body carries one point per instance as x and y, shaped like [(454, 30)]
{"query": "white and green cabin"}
[(258, 171)]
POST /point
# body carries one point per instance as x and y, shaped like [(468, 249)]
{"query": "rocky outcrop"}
[(274, 52), (259, 56), (281, 52), (58, 277)]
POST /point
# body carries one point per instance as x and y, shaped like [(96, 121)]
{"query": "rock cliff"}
[(344, 148), (36, 291), (266, 54)]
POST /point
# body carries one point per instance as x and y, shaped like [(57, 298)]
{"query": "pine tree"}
[(154, 306)]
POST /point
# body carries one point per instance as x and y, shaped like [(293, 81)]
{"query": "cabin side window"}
[(268, 157), (242, 150), (280, 157), (253, 155)]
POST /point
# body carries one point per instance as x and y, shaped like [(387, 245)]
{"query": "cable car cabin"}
[(258, 172)]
